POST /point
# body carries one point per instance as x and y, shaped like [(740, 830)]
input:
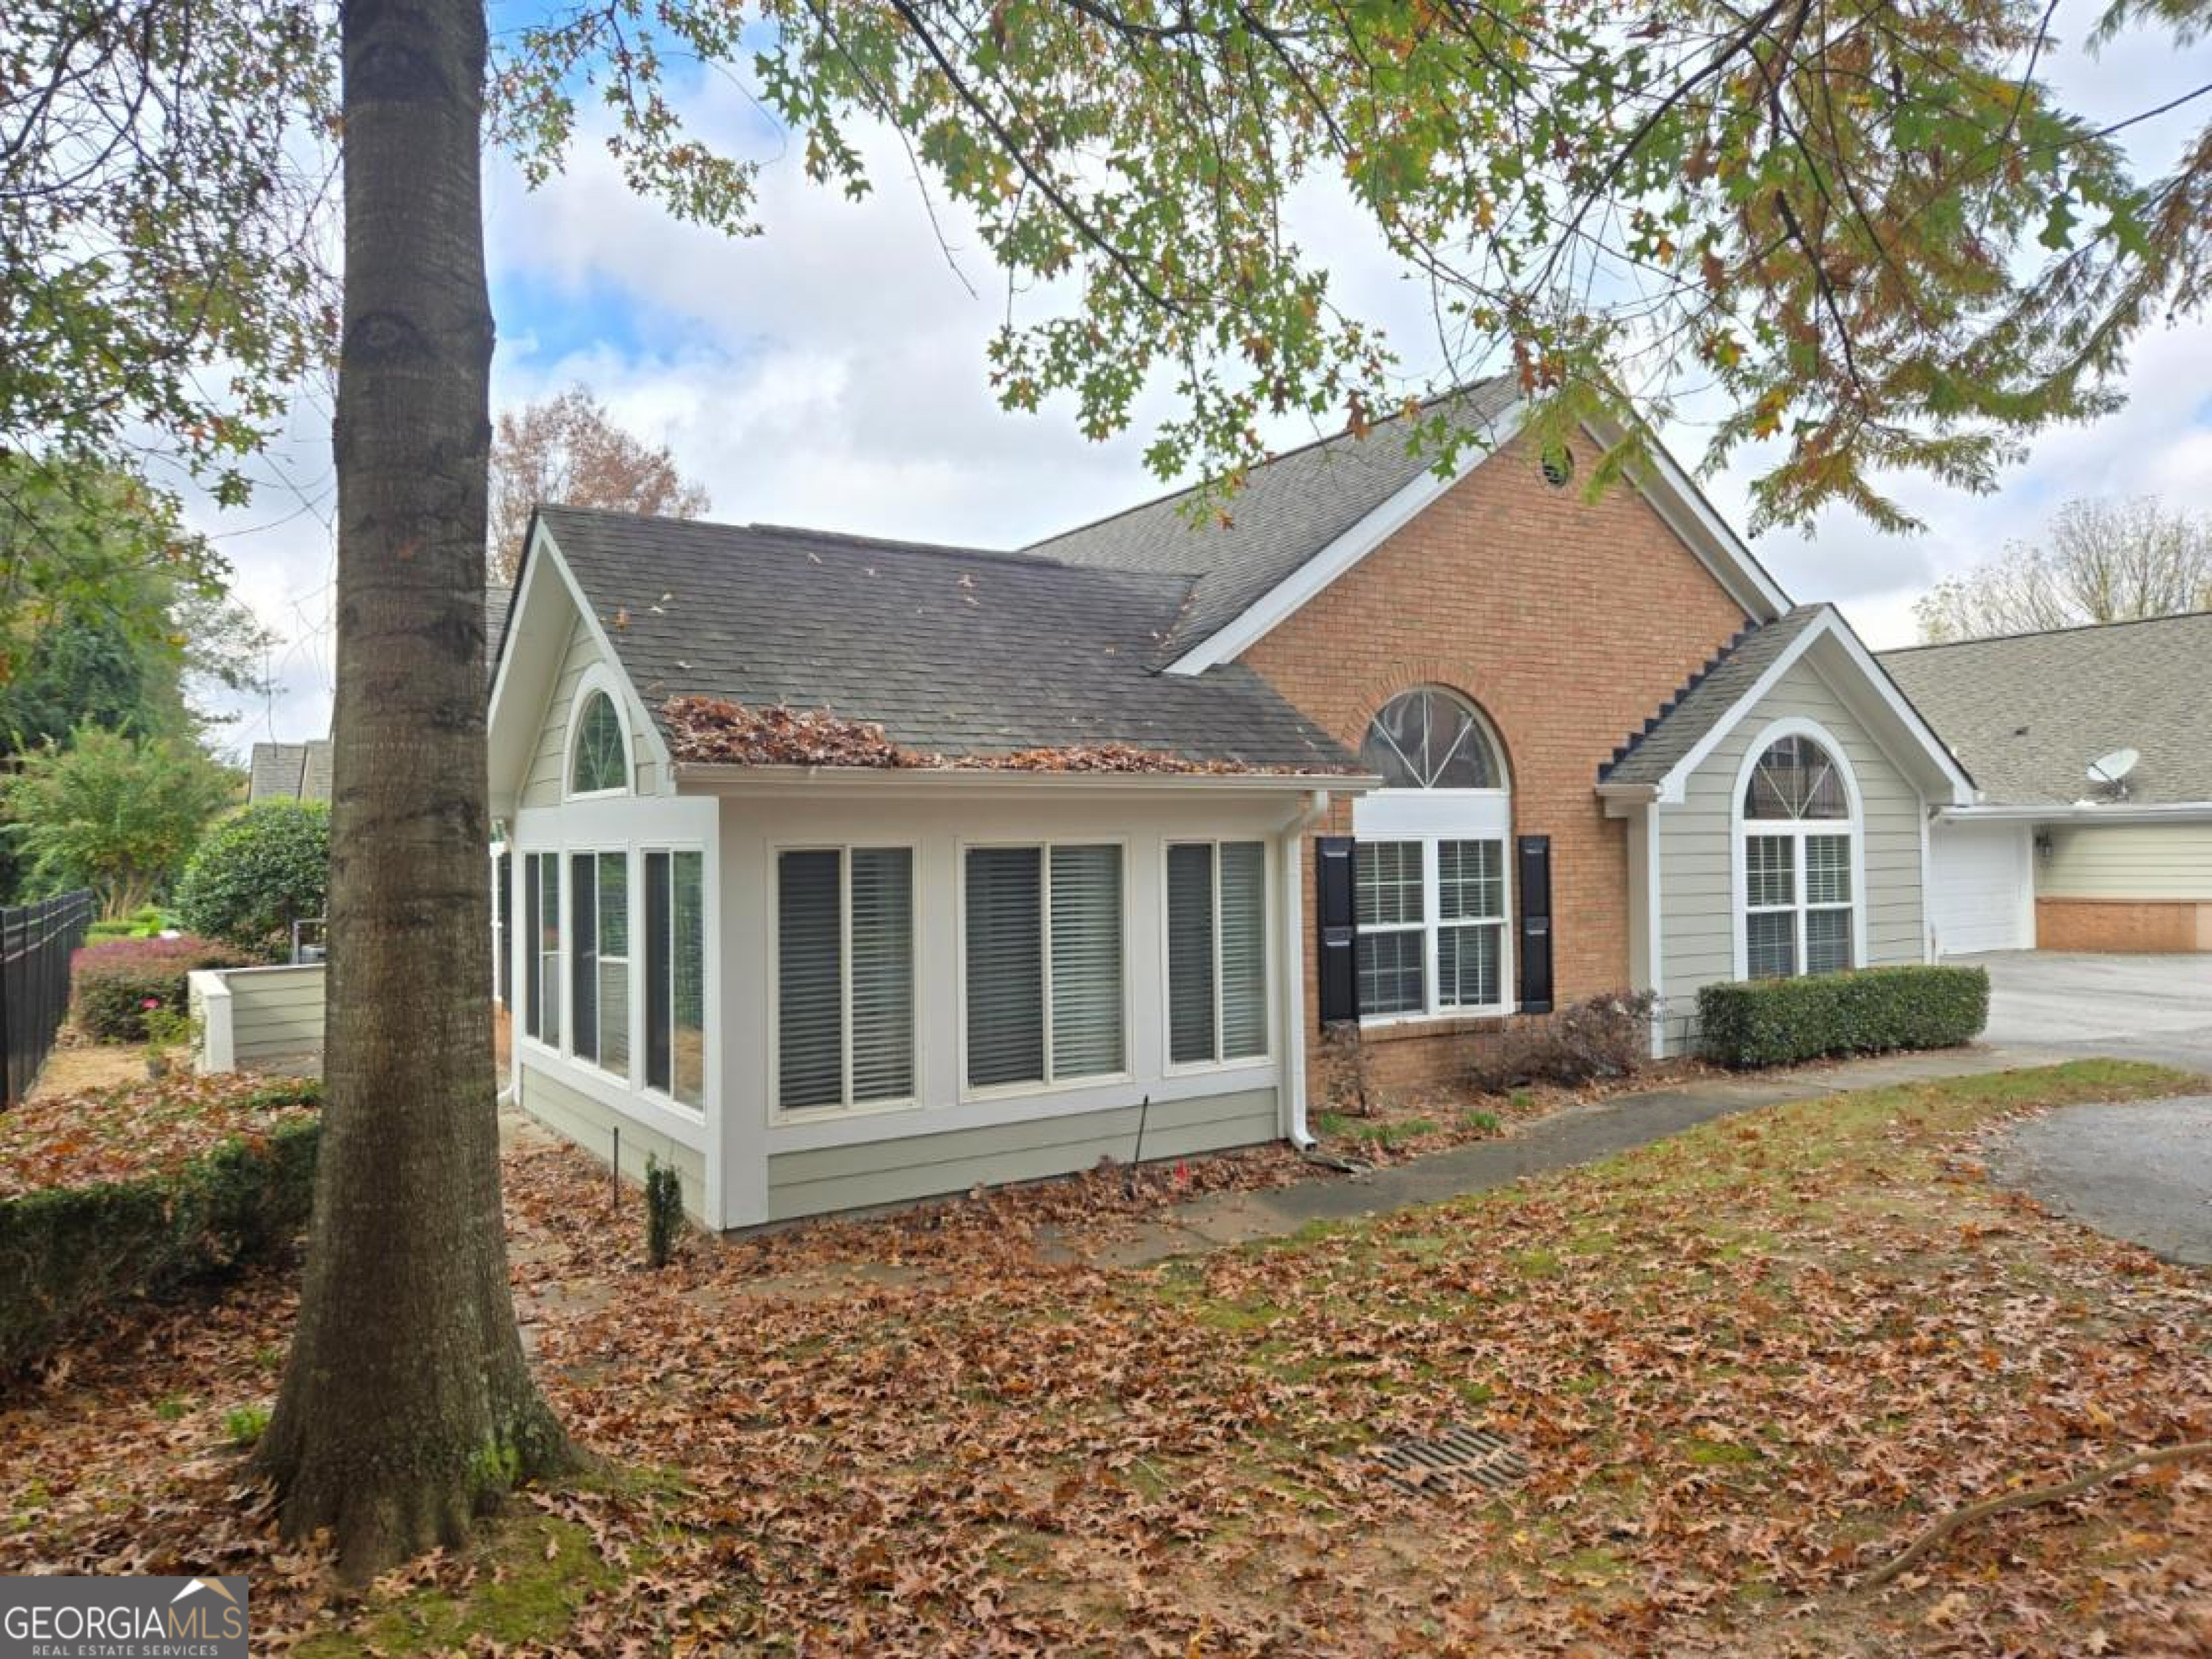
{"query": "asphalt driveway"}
[(2141, 1171), (2131, 1007)]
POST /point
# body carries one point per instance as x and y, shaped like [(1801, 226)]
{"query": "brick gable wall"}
[(1568, 624)]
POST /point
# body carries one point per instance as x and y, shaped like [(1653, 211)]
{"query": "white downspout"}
[(1291, 977)]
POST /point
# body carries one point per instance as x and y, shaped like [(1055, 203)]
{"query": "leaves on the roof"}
[(712, 730)]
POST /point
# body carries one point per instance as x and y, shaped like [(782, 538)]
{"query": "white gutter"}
[(723, 777), (1291, 979), (2164, 812)]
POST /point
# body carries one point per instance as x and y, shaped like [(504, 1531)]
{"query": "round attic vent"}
[(1559, 466)]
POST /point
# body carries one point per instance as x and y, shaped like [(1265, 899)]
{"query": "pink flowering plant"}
[(123, 990)]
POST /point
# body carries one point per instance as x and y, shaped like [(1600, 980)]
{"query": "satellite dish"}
[(2113, 767)]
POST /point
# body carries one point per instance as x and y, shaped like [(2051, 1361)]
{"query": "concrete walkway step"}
[(1578, 1135)]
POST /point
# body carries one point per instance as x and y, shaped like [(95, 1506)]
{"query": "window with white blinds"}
[(598, 995), (1217, 951), (844, 977), (1044, 979)]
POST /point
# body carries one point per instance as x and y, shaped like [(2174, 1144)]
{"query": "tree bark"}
[(407, 1407)]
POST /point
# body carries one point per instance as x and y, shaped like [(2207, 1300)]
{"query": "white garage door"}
[(1981, 887)]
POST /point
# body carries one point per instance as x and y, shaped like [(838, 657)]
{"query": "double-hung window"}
[(1798, 900), (675, 976), (1217, 951), (1429, 893), (1044, 950), (845, 977), (599, 993), (541, 931), (1431, 916)]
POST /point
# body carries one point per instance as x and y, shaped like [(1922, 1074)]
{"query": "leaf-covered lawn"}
[(146, 1128), (1745, 1366)]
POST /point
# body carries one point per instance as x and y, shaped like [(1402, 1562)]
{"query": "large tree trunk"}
[(407, 1407)]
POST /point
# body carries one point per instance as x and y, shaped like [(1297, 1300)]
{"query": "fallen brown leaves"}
[(1746, 1364), (149, 1127), (710, 730)]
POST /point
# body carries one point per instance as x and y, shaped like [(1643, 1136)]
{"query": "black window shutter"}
[(1535, 954), (1339, 984)]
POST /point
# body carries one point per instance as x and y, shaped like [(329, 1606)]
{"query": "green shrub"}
[(1779, 1022), (115, 984), (71, 1252), (244, 1426), (664, 1210), (148, 923), (1604, 1036), (256, 872)]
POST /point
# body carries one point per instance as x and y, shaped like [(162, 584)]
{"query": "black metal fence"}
[(36, 941)]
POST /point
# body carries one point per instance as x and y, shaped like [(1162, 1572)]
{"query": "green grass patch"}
[(533, 1571), (1390, 1131)]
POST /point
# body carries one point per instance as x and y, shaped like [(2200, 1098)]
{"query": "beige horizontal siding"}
[(895, 1172), (591, 1124), (2127, 861), (277, 1018), (544, 786), (1696, 849)]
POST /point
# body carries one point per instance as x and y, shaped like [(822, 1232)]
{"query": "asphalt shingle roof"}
[(2027, 714), (289, 771), (1650, 755), (1288, 511), (953, 650)]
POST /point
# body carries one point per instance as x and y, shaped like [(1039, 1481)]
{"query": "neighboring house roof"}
[(1288, 511), (499, 597), (289, 771), (954, 651), (1654, 763), (2029, 713)]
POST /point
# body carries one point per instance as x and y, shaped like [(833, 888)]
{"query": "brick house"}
[(1143, 806)]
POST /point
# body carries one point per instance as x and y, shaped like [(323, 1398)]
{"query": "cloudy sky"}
[(831, 373)]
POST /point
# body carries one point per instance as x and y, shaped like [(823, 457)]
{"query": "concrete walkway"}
[(1579, 1134), (2141, 1171)]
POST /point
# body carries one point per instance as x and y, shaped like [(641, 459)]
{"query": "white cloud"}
[(831, 372)]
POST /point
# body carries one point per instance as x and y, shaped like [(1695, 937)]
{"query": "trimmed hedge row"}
[(115, 984), (1779, 1022), (66, 1253)]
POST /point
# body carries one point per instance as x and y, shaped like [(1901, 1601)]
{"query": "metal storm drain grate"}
[(1455, 1460)]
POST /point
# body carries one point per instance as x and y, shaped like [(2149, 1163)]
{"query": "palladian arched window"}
[(601, 758), (1428, 738), (1798, 852), (1429, 863)]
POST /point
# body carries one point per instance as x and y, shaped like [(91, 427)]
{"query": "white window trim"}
[(666, 1098), (534, 954), (593, 849), (1169, 1064), (778, 1114), (1051, 1083), (1740, 826), (1433, 922), (598, 677)]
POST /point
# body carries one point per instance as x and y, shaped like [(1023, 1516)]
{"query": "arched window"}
[(1429, 862), (1798, 859), (601, 758), (1428, 738)]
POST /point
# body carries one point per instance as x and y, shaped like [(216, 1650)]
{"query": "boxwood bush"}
[(256, 872), (69, 1253), (1779, 1022), (116, 983)]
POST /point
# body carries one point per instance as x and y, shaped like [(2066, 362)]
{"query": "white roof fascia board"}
[(1674, 495), (1669, 489), (1829, 625), (607, 653), (2162, 811), (724, 778), (1377, 525)]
